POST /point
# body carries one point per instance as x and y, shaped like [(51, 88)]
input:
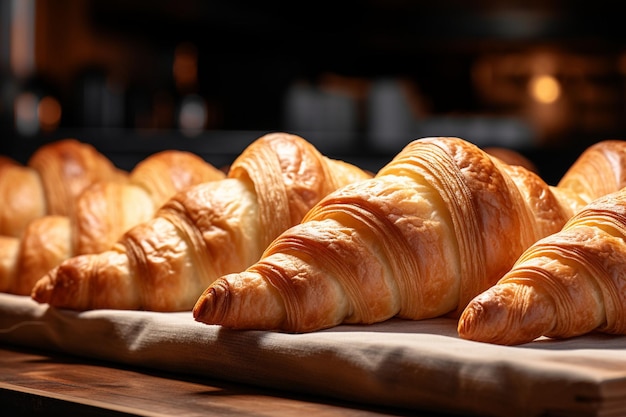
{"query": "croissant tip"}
[(205, 308), (214, 305), (468, 321), (43, 288), (201, 305), (484, 323), (498, 316)]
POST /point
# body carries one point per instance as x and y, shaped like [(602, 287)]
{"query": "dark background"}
[(357, 78)]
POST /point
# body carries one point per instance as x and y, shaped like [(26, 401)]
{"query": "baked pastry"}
[(437, 225), (50, 182), (202, 233), (109, 208), (45, 243), (568, 284), (6, 162), (511, 157), (104, 211), (600, 170)]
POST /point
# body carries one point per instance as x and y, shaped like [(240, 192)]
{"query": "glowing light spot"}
[(49, 111), (25, 110), (193, 115), (545, 89)]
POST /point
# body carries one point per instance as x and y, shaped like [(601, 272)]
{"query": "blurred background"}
[(359, 79)]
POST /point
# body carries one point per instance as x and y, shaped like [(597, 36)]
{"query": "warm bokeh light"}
[(185, 68), (25, 110), (193, 115), (545, 89), (21, 37), (49, 111)]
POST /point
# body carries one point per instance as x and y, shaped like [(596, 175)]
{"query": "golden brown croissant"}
[(6, 162), (109, 208), (50, 182), (567, 284), (204, 232), (511, 157), (46, 242), (104, 211), (600, 170), (437, 225)]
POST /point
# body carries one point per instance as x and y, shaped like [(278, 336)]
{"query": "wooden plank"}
[(34, 382)]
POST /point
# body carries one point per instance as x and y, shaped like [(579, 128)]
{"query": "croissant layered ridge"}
[(103, 212), (153, 256), (47, 241), (567, 284), (203, 232), (436, 226), (50, 182), (107, 209), (600, 170)]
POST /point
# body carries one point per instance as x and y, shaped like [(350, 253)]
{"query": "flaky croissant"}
[(600, 170), (50, 182), (568, 284), (104, 211), (511, 157), (437, 225), (107, 209), (6, 162), (202, 233)]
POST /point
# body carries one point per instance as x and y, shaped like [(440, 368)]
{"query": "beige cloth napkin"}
[(420, 365)]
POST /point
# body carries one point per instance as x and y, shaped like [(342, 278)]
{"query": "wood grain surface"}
[(41, 383)]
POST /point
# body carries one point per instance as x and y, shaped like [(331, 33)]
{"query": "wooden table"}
[(43, 383)]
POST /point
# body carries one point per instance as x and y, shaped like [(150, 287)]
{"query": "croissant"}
[(104, 211), (204, 232), (437, 225), (600, 170), (567, 284), (46, 242), (6, 162), (511, 157), (107, 209), (50, 182)]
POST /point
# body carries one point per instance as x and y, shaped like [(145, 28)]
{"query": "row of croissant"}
[(293, 241)]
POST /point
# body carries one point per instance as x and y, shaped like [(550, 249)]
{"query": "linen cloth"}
[(421, 365)]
